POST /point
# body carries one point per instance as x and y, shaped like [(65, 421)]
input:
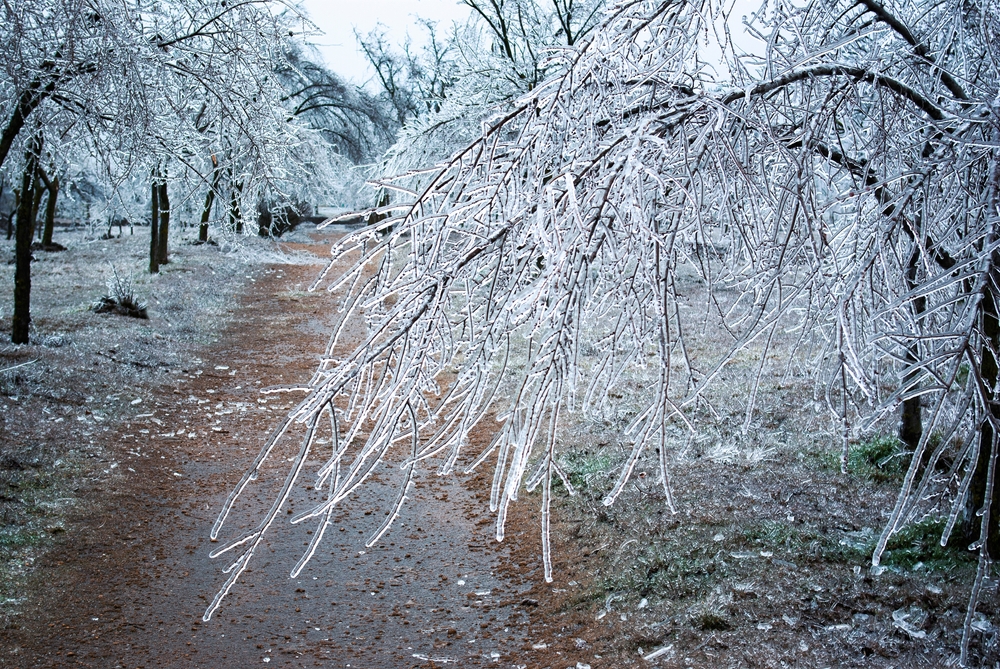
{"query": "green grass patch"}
[(806, 543), (916, 544), (584, 467), (19, 538), (921, 543), (711, 622), (879, 459), (661, 569), (772, 534)]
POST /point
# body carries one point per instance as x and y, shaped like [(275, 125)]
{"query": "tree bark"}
[(22, 253), (27, 102), (911, 427), (10, 216), (235, 218), (989, 370), (206, 213), (382, 200), (36, 203), (37, 91), (52, 186), (154, 227), (161, 253)]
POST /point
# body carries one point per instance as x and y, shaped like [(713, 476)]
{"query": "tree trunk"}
[(154, 227), (206, 213), (50, 211), (36, 203), (382, 200), (10, 216), (27, 102), (37, 91), (22, 253), (990, 372), (235, 217), (911, 427), (161, 253)]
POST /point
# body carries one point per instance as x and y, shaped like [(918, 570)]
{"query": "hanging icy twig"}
[(540, 269)]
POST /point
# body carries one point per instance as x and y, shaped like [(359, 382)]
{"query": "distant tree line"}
[(184, 96)]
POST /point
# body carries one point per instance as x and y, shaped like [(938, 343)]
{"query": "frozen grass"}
[(770, 550), (881, 458)]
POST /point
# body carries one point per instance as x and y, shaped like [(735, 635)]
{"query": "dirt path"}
[(129, 587)]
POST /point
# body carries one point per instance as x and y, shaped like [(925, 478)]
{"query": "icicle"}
[(255, 537), (564, 478), (546, 539), (313, 544), (626, 473), (665, 470), (250, 475), (970, 612)]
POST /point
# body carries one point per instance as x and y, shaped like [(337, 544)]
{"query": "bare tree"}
[(445, 90), (845, 184), (350, 120), (523, 31), (393, 74)]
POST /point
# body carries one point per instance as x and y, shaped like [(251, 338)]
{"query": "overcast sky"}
[(338, 19)]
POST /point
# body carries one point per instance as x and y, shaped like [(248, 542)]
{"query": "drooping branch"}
[(40, 88), (919, 48)]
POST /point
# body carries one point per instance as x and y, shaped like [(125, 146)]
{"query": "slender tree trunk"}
[(27, 102), (911, 427), (22, 253), (37, 91), (206, 213), (990, 373), (381, 201), (154, 226), (10, 216), (50, 211), (161, 253), (36, 204), (235, 217)]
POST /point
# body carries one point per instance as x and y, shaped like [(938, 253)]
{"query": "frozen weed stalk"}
[(121, 298), (845, 185)]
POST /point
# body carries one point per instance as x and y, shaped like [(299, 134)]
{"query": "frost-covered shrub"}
[(121, 298)]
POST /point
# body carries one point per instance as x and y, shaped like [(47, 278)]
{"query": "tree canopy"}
[(842, 184)]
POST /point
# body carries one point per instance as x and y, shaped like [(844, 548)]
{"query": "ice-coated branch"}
[(543, 266)]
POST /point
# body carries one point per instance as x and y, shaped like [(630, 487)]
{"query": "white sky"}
[(338, 19)]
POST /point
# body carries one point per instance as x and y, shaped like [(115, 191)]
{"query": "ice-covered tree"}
[(184, 90), (843, 184), (445, 90)]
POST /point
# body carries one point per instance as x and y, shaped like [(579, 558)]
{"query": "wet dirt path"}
[(130, 588)]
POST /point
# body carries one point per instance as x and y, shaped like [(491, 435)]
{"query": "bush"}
[(121, 299)]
